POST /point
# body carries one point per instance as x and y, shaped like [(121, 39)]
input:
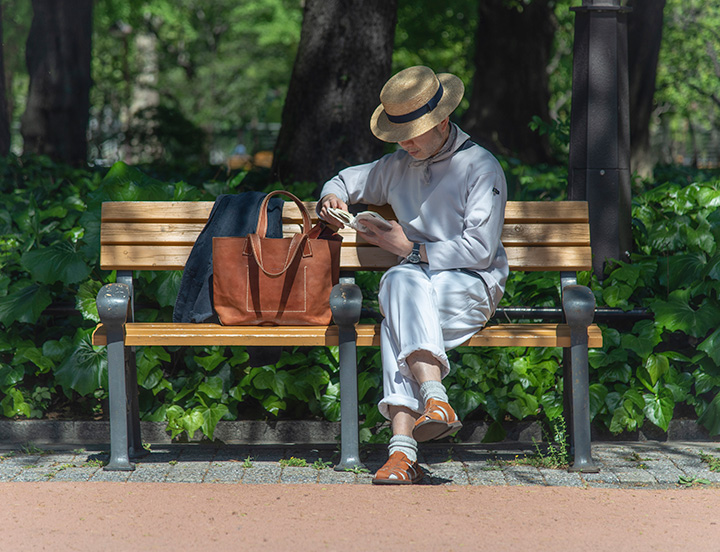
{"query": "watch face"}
[(414, 256)]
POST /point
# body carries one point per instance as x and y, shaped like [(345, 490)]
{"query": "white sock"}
[(433, 390), (405, 444)]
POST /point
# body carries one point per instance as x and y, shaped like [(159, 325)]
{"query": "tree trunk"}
[(343, 60), (645, 25), (512, 51), (4, 115), (58, 60)]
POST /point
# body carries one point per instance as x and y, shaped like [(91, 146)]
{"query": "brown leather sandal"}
[(438, 421), (398, 470)]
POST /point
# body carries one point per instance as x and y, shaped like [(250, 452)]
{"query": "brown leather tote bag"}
[(276, 281)]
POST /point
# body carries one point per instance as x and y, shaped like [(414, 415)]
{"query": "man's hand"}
[(331, 200), (393, 240)]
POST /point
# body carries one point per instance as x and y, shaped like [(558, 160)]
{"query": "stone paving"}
[(648, 464)]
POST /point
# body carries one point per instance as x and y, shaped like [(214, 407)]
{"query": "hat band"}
[(419, 112)]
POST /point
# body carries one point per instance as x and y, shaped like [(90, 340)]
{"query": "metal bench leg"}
[(346, 303), (135, 440), (579, 307), (136, 449), (112, 303)]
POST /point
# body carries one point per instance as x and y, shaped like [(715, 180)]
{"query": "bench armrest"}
[(346, 304), (579, 306), (113, 304)]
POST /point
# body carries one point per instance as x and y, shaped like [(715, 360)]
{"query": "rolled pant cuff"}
[(399, 400), (438, 353)]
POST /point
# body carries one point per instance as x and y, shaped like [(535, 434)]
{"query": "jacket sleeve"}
[(358, 184)]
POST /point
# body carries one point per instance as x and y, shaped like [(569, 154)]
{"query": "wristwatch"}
[(414, 256)]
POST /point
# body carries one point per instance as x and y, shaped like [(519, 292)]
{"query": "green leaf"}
[(552, 404), (168, 285), (621, 372), (617, 295), (366, 382), (495, 433), (656, 366), (659, 409), (239, 356), (211, 361), (193, 420), (149, 363), (622, 421), (274, 405), (685, 268), (57, 350), (126, 183), (211, 417), (466, 401), (701, 239), (267, 378), (712, 268), (631, 398), (34, 356), (643, 338), (24, 305), (212, 387), (598, 394), (10, 375), (14, 404), (56, 263), (711, 346), (710, 418), (330, 402), (85, 370), (676, 314), (85, 300)]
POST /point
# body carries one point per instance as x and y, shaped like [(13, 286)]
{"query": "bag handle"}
[(262, 218), (296, 245)]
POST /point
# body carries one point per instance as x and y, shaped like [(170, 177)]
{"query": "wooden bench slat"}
[(550, 211), (545, 234), (502, 335), (185, 233), (149, 233), (174, 256), (194, 211), (549, 258), (153, 211)]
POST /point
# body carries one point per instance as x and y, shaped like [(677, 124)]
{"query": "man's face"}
[(426, 145)]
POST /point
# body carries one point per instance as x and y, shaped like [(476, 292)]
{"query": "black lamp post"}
[(599, 168)]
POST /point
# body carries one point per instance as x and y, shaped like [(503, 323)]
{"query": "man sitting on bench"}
[(449, 197)]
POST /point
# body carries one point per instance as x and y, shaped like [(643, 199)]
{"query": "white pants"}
[(425, 310)]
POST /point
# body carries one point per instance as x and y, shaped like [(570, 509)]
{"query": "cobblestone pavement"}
[(658, 465)]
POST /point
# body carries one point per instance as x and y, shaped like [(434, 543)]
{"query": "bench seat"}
[(368, 335)]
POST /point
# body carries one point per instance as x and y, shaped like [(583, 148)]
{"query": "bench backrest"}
[(153, 235)]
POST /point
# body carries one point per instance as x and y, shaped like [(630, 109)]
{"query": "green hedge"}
[(647, 372)]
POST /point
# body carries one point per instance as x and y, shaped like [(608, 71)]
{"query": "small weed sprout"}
[(557, 455), (357, 470), (320, 465), (247, 463), (713, 462), (32, 449), (293, 462)]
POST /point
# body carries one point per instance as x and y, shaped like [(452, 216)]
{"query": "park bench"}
[(135, 236)]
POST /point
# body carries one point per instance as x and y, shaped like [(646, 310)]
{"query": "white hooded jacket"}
[(453, 202)]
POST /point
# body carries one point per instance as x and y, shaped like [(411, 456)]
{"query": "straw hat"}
[(413, 101)]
